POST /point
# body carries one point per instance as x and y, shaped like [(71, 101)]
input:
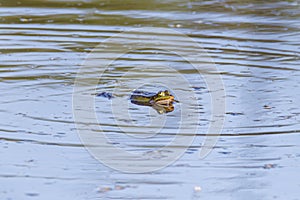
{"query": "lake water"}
[(254, 46)]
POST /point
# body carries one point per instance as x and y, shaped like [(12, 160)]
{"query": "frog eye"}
[(161, 93)]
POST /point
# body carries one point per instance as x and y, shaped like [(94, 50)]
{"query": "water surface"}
[(255, 46)]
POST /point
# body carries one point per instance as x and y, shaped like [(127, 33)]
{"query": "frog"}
[(161, 98), (161, 101)]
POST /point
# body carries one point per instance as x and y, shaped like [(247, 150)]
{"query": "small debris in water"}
[(269, 166), (25, 20), (55, 58), (105, 95), (267, 107), (32, 194), (198, 88), (107, 188), (197, 188), (119, 187), (234, 113), (104, 189), (225, 152), (175, 25)]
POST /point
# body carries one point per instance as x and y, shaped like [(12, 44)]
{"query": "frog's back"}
[(141, 97)]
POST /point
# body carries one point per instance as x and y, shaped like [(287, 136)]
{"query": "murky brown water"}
[(254, 44)]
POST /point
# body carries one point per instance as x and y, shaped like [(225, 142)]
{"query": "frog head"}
[(163, 98)]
